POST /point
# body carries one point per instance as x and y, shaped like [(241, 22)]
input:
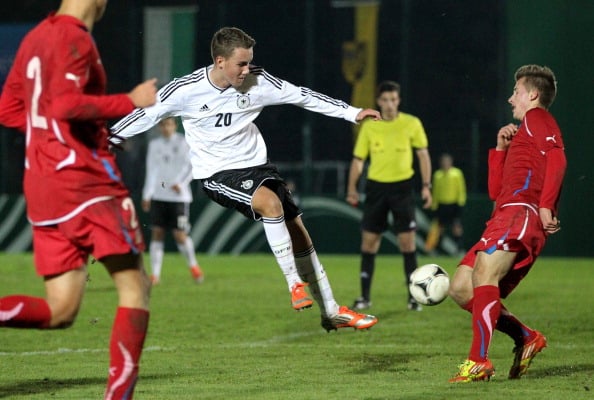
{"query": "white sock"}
[(311, 271), (187, 250), (281, 245), (156, 252)]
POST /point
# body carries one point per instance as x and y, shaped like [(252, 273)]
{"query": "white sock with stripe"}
[(281, 245), (311, 271)]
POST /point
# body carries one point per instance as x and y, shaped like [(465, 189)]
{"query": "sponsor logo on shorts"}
[(247, 184)]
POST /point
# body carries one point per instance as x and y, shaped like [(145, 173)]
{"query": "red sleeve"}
[(12, 105), (496, 160), (78, 106), (78, 83), (556, 164)]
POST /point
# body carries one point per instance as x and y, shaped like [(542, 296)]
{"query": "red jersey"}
[(531, 171), (55, 92)]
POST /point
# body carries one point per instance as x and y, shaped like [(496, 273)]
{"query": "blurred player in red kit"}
[(526, 172), (76, 201)]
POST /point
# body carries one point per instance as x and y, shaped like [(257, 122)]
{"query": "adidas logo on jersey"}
[(204, 108)]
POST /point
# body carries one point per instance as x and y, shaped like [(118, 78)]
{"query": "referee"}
[(388, 144)]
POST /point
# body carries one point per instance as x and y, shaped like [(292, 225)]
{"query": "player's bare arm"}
[(374, 114), (144, 94), (505, 135), (354, 174), (425, 167)]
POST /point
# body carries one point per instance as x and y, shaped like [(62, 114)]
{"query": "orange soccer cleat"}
[(300, 300), (346, 318), (524, 355), (197, 274)]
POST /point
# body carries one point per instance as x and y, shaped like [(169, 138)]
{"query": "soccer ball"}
[(429, 284)]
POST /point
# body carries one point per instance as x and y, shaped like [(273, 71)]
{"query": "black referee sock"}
[(367, 269), (410, 264)]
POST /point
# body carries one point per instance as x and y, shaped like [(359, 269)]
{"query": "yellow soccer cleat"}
[(471, 371)]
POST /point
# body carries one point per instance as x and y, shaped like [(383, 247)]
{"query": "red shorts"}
[(513, 228), (105, 228)]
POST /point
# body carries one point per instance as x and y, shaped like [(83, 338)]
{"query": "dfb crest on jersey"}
[(354, 60), (243, 101), (247, 185)]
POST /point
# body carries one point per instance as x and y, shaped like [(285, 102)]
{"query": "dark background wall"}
[(454, 59), (448, 62), (561, 35)]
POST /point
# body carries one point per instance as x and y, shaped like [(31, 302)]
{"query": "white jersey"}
[(168, 164), (219, 122)]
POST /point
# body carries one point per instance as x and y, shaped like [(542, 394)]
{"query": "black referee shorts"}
[(235, 188), (383, 198)]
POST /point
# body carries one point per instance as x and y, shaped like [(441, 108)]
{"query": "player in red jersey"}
[(526, 172), (76, 201)]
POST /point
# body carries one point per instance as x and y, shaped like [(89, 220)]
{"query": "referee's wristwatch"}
[(427, 185)]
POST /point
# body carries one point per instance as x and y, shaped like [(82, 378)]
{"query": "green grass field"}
[(236, 337)]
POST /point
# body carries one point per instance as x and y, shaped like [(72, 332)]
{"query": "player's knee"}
[(269, 207), (62, 317), (460, 292), (267, 203)]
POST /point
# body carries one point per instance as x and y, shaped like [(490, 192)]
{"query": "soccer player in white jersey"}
[(218, 104), (167, 196)]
